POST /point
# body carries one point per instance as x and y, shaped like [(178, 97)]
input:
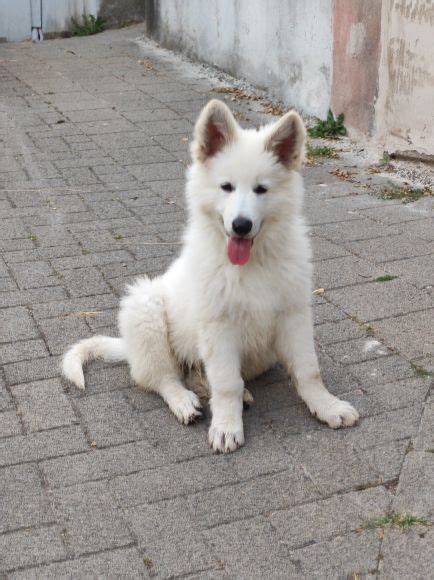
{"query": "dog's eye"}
[(260, 189), (227, 187)]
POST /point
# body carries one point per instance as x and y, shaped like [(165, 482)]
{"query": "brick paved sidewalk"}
[(106, 483)]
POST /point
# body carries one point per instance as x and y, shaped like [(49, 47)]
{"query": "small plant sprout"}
[(330, 128), (88, 24), (403, 521), (405, 194), (318, 151), (385, 278)]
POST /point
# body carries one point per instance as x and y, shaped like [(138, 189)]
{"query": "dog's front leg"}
[(295, 348), (221, 357)]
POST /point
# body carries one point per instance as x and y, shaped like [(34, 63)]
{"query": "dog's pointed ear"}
[(286, 140), (215, 128)]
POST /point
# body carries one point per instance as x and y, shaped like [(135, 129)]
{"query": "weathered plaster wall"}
[(356, 54), (284, 45), (404, 115)]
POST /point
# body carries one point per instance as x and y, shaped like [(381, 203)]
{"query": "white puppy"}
[(237, 300)]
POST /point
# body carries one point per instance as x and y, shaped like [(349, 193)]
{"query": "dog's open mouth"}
[(239, 250)]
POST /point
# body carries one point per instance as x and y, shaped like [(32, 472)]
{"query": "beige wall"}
[(404, 112)]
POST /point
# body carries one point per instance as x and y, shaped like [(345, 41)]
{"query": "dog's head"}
[(244, 179)]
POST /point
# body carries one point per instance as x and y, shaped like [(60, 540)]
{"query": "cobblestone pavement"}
[(106, 483)]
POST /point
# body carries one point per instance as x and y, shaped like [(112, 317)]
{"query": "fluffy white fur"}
[(211, 318)]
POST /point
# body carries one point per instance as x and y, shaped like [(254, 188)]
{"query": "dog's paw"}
[(186, 407), (248, 399), (334, 412), (225, 438)]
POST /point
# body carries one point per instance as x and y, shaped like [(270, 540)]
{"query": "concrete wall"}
[(283, 45), (404, 114), (16, 15), (371, 60)]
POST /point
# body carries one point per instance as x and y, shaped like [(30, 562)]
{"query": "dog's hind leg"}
[(142, 322)]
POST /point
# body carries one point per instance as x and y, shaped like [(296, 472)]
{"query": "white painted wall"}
[(283, 45), (15, 16)]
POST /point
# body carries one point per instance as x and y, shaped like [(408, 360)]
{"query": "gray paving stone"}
[(325, 312), (259, 495), (381, 398), (339, 331), (90, 521), (101, 127), (156, 171), (26, 371), (24, 503), (357, 350), (27, 297), (417, 271), (120, 563), (416, 485), (391, 248), (110, 419), (174, 142), (103, 377), (9, 424), (407, 555), (30, 547), (362, 229), (34, 275), (45, 253), (16, 324), (425, 437), (101, 464), (95, 259), (380, 300), (60, 333), (391, 214), (118, 141), (141, 115), (134, 155), (320, 521), (179, 479), (23, 350), (325, 250), (169, 537), (410, 334), (12, 228), (382, 370), (74, 307), (238, 544), (42, 445), (340, 558), (43, 405), (5, 398), (84, 282), (338, 272), (166, 127), (335, 465)]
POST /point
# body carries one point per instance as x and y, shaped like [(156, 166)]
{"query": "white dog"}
[(237, 300)]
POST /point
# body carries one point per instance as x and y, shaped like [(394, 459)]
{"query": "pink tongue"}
[(239, 250)]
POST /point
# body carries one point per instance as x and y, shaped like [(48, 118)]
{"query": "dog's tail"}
[(105, 347)]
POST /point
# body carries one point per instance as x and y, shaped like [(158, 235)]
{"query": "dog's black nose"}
[(242, 226)]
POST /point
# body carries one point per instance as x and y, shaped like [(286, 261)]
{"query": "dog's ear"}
[(286, 140), (215, 128)]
